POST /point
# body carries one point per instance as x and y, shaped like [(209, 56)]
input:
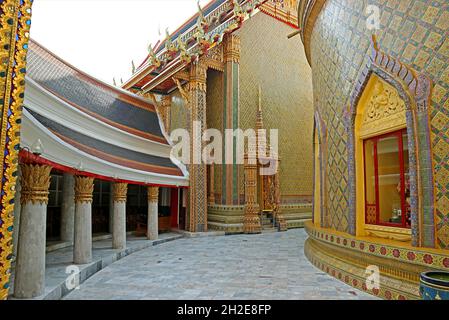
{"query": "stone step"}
[(269, 230)]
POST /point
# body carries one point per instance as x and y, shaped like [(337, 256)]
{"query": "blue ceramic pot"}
[(434, 285)]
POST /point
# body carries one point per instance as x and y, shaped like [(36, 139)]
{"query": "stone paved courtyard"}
[(265, 266)]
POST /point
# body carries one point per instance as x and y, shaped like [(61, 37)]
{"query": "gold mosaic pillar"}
[(231, 43), (119, 192), (251, 219), (197, 169), (30, 264), (15, 21), (82, 251)]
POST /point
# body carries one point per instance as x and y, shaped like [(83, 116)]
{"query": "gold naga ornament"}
[(184, 54), (171, 48), (154, 60), (239, 13), (201, 36)]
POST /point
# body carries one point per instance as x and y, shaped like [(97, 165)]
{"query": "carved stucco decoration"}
[(84, 188), (384, 111), (153, 194), (119, 192)]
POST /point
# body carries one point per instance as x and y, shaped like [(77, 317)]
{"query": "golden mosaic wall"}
[(214, 100), (178, 112), (279, 66), (416, 32)]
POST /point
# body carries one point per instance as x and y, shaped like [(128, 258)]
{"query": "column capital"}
[(198, 76), (232, 48), (84, 188), (153, 194), (35, 183), (119, 191)]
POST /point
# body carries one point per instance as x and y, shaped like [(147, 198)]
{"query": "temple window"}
[(387, 184)]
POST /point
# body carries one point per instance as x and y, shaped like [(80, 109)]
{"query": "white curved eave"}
[(58, 151), (45, 103)]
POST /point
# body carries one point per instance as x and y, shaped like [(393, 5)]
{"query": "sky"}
[(102, 37)]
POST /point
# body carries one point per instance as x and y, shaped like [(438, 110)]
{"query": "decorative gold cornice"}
[(153, 194), (182, 75), (183, 91), (198, 76), (119, 191), (231, 49), (35, 183), (84, 188), (308, 11)]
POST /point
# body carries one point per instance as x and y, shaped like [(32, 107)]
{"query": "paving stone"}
[(261, 267)]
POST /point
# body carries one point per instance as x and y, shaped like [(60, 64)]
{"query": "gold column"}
[(231, 55), (197, 172), (251, 219)]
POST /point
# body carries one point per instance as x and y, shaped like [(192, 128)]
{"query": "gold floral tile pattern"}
[(279, 66), (414, 31)]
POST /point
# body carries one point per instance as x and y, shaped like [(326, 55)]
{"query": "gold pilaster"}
[(119, 192), (232, 48), (84, 188), (35, 183), (153, 194), (197, 171), (251, 219)]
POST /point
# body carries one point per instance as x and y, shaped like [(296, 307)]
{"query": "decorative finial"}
[(260, 99), (114, 82), (133, 67), (121, 80), (153, 58)]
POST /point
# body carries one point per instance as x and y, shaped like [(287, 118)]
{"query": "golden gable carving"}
[(384, 112)]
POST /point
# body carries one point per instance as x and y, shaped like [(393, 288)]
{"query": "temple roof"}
[(112, 105), (82, 121), (218, 17)]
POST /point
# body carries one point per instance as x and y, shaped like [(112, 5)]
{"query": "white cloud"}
[(101, 37)]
